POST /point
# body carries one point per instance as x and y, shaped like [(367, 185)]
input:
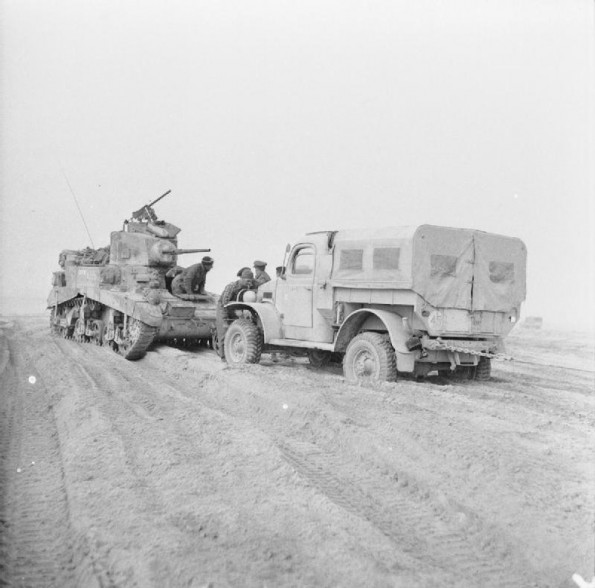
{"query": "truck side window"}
[(303, 262), (501, 272), (351, 260), (443, 265), (386, 258)]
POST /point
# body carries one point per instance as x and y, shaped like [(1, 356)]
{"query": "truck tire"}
[(318, 357), (370, 358), (243, 343), (483, 370)]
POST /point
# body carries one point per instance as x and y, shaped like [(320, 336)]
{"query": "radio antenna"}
[(78, 208)]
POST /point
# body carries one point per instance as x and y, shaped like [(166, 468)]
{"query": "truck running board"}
[(302, 344)]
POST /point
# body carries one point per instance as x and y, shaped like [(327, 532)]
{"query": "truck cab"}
[(392, 300)]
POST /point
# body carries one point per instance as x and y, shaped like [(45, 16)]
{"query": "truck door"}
[(296, 304)]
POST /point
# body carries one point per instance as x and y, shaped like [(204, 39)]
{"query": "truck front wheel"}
[(370, 358), (243, 343)]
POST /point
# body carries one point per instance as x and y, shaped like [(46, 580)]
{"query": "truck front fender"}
[(268, 315), (390, 321)]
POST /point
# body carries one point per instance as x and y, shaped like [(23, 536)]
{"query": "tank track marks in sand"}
[(445, 539), (38, 544)]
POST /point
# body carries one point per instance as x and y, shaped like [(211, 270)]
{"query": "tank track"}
[(132, 346), (143, 337)]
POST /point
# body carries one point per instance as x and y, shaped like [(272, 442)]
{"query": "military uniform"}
[(229, 294), (260, 276), (171, 275), (192, 280), (177, 286)]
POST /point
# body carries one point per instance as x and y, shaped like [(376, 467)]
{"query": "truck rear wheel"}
[(483, 369), (318, 357), (370, 358), (243, 343)]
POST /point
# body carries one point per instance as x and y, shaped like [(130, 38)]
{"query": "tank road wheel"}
[(318, 357), (96, 336), (79, 331), (104, 340), (370, 358), (136, 339), (243, 343), (54, 326), (483, 369), (66, 332)]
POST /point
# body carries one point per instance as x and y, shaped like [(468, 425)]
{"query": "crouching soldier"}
[(192, 280), (230, 293)]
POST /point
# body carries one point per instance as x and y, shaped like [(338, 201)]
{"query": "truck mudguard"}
[(268, 315), (393, 323)]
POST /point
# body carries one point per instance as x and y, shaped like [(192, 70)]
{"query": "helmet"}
[(247, 275), (207, 260)]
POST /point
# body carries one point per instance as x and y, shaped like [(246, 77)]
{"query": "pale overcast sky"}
[(268, 119)]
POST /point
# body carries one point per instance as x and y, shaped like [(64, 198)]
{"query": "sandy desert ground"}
[(178, 471)]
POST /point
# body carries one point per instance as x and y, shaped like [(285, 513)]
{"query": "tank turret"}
[(119, 295)]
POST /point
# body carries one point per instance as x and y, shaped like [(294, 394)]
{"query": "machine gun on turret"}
[(146, 213)]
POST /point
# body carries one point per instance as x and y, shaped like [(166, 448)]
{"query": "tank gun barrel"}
[(183, 251)]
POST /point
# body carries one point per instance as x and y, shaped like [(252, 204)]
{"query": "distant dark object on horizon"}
[(533, 322)]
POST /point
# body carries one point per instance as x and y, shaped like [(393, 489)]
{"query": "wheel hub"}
[(365, 364), (238, 348)]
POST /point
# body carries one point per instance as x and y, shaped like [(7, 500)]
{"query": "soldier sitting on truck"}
[(192, 280), (230, 293)]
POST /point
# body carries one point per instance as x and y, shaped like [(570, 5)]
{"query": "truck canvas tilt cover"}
[(387, 301)]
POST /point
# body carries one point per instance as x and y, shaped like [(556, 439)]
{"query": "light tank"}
[(119, 296)]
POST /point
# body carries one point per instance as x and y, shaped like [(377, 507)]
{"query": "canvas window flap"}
[(443, 266)]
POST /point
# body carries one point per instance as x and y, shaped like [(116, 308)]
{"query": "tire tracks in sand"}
[(38, 547), (437, 535)]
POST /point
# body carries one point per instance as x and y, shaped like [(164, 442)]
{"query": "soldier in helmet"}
[(192, 279), (230, 293), (260, 276)]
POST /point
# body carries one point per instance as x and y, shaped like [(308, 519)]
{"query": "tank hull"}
[(87, 308)]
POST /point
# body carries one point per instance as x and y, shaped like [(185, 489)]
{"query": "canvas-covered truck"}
[(395, 300)]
